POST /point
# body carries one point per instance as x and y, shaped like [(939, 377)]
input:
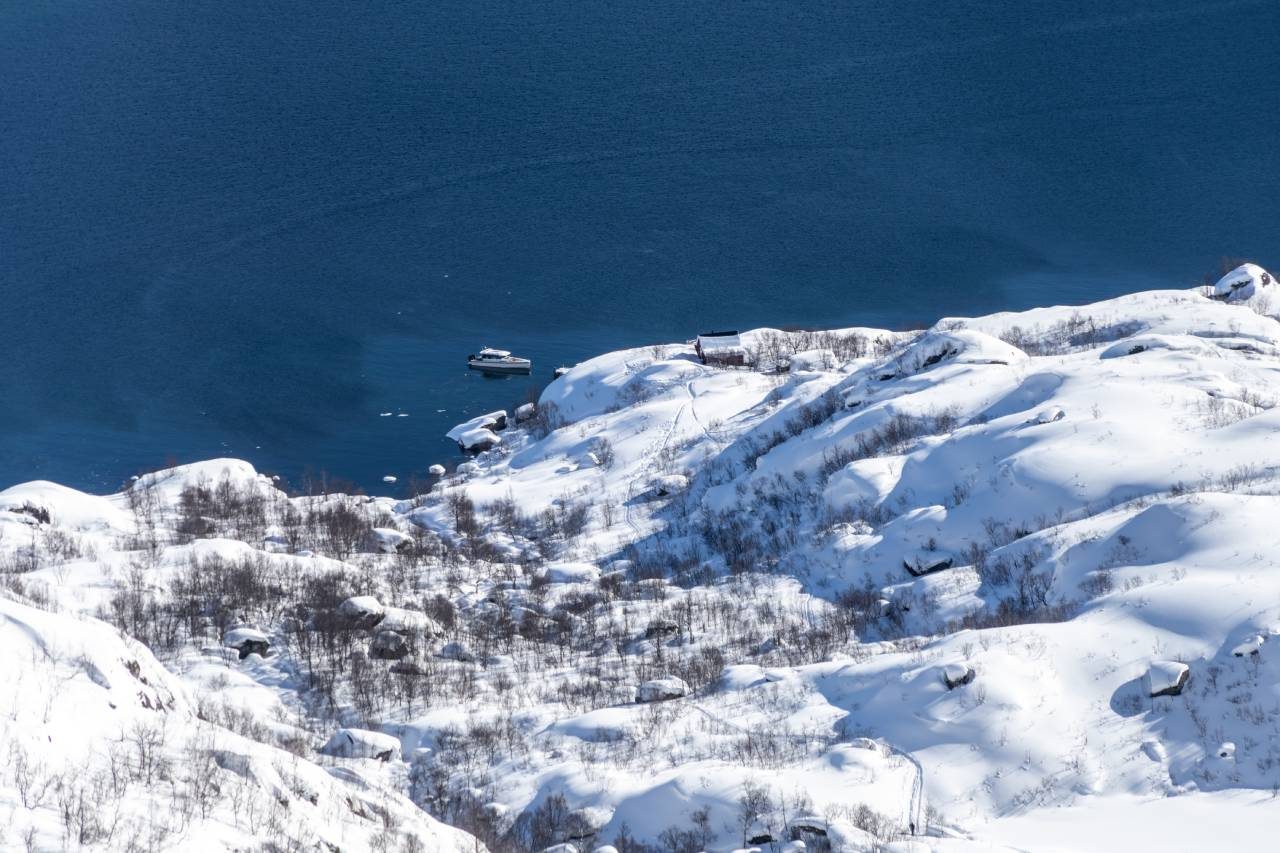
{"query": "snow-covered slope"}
[(946, 589), (105, 749)]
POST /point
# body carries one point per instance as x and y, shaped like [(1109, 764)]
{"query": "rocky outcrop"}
[(957, 675), (661, 689), (362, 611), (247, 641), (1167, 677)]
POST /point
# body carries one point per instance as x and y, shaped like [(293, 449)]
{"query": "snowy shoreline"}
[(968, 582)]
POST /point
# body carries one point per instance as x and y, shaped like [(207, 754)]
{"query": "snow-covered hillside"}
[(1008, 583)]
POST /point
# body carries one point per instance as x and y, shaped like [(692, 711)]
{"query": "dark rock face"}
[(661, 628), (253, 647), (927, 564), (1174, 689), (1167, 678), (958, 676)]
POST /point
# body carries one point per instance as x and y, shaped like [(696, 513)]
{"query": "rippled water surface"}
[(251, 229)]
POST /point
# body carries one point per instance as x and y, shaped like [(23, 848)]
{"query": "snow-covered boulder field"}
[(1009, 582)]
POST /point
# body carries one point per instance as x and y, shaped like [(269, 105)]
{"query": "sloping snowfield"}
[(1008, 583)]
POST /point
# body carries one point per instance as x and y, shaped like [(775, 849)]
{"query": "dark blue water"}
[(249, 228)]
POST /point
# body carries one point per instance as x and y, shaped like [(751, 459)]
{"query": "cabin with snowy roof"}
[(721, 348)]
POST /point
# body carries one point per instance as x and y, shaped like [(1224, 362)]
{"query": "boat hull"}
[(500, 368)]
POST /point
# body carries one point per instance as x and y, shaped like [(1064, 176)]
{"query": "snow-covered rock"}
[(409, 622), (1250, 647), (669, 484), (247, 641), (480, 432), (436, 470), (661, 689), (457, 651), (388, 540), (923, 561), (570, 573), (1167, 677), (1049, 416), (362, 743), (388, 645), (363, 611), (957, 675), (1243, 282)]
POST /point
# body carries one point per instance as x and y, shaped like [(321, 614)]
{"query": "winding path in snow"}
[(915, 810)]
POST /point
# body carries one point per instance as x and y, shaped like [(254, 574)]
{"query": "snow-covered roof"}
[(720, 342)]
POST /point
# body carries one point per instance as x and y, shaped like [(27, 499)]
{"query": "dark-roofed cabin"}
[(721, 348)]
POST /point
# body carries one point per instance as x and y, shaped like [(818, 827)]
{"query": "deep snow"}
[(914, 580)]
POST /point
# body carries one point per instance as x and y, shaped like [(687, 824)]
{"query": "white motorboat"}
[(498, 361)]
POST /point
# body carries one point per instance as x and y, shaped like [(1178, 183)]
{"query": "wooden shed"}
[(724, 348)]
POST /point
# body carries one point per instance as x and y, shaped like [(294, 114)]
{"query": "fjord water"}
[(250, 229)]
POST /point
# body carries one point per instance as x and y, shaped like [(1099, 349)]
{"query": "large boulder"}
[(1243, 282), (1250, 648), (586, 823), (1167, 677), (661, 689), (458, 652), (925, 561), (408, 666), (362, 743), (411, 623), (957, 674), (362, 611), (570, 573), (669, 484), (247, 641), (661, 627), (388, 645), (388, 540), (479, 433)]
